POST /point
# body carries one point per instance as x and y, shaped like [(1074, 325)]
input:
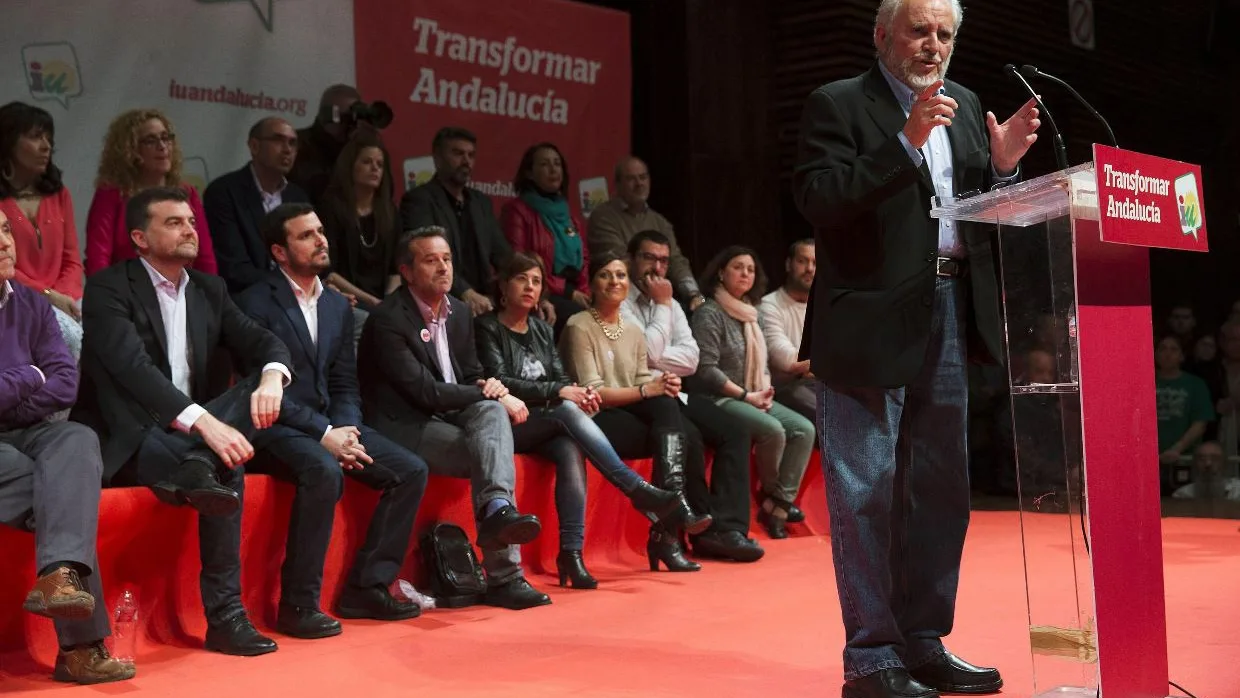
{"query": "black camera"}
[(377, 114)]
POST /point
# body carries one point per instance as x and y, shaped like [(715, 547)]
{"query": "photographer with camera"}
[(341, 113)]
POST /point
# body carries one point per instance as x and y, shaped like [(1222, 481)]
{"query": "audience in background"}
[(466, 215), (140, 151), (539, 221), (236, 203), (320, 144), (614, 223), (783, 319), (1182, 322), (40, 214), (1184, 408), (733, 368), (362, 225)]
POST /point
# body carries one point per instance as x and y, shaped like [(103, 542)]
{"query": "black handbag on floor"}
[(456, 577)]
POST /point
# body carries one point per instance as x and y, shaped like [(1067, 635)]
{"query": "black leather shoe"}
[(773, 524), (888, 683), (795, 515), (306, 623), (727, 545), (516, 595), (237, 636), (374, 603), (507, 527), (948, 673), (196, 487)]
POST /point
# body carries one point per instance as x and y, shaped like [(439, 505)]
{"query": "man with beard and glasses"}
[(447, 201), (316, 324), (783, 319), (886, 334)]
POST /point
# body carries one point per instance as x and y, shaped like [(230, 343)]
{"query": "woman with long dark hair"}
[(539, 221), (361, 224), (40, 213)]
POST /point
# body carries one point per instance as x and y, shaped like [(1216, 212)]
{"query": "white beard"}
[(906, 72)]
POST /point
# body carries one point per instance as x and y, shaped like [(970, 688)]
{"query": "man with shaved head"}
[(236, 203), (616, 221)]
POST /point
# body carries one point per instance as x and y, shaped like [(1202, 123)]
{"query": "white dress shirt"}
[(437, 328), (670, 346), (172, 309), (309, 304)]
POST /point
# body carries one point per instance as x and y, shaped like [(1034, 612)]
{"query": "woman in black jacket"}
[(519, 349)]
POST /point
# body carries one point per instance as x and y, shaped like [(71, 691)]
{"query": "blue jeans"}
[(896, 471), (565, 435)]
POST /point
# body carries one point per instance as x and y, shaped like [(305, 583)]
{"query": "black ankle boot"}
[(668, 508), (664, 546), (573, 571)]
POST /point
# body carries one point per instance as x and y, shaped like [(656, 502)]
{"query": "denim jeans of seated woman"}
[(566, 436)]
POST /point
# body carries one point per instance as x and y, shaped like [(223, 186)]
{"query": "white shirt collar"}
[(257, 183), (158, 279), (6, 292), (299, 292)]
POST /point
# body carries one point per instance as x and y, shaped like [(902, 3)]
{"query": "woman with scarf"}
[(539, 222), (733, 368)]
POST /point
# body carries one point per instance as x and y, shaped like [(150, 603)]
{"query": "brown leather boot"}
[(60, 594), (91, 664)]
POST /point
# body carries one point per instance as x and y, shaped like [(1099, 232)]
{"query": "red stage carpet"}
[(770, 629)]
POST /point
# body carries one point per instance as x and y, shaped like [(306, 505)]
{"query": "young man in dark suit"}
[(422, 387), (235, 203), (886, 334), (316, 324), (152, 328)]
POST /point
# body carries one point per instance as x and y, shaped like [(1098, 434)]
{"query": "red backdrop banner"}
[(513, 72), (1149, 201)]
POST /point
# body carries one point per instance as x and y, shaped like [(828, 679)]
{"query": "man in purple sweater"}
[(50, 475)]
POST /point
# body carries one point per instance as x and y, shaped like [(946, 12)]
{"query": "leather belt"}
[(951, 268)]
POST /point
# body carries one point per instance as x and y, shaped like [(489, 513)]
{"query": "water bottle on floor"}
[(125, 627)]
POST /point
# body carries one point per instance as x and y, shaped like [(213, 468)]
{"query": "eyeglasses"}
[(647, 257), (166, 138)]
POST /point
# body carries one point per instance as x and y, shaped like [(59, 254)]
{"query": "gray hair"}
[(404, 255), (887, 10)]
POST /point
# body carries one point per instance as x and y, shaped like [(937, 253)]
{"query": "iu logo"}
[(52, 72), (1189, 203)]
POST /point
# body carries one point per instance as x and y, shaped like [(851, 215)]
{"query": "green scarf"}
[(553, 210)]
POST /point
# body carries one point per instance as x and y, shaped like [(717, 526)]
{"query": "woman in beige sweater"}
[(641, 414)]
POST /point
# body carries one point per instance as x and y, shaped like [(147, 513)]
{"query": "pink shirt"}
[(47, 256), (107, 236), (438, 334)]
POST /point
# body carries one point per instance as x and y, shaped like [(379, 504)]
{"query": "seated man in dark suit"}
[(164, 421), (316, 324), (422, 387), (49, 476), (235, 203)]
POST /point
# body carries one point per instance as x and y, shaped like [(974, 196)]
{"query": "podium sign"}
[(1149, 201), (1075, 279)]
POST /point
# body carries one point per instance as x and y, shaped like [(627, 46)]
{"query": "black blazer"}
[(429, 204), (869, 314), (402, 386), (327, 371), (126, 387), (234, 208), (502, 356)]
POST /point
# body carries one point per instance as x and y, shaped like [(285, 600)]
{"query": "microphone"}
[(1061, 152), (1032, 72)]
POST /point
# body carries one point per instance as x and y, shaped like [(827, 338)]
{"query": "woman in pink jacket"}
[(140, 151)]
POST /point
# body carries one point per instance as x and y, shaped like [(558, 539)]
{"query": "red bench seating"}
[(153, 550)]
